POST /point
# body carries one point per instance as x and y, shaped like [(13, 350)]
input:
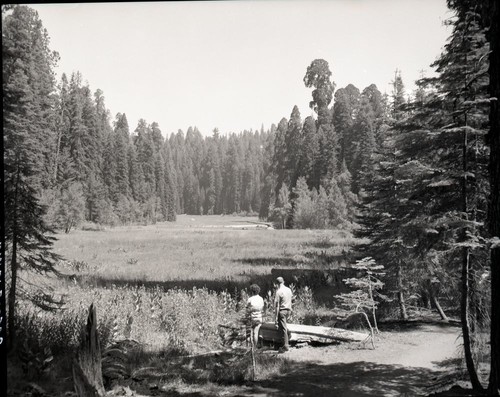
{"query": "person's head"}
[(279, 282), (254, 289)]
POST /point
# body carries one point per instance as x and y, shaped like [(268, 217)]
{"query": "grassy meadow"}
[(169, 286), (203, 248)]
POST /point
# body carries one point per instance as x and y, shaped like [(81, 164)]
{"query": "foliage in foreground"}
[(166, 326)]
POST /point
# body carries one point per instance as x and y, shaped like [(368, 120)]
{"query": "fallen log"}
[(311, 333)]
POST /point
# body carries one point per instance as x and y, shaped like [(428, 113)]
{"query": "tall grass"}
[(170, 316), (175, 252), (194, 248)]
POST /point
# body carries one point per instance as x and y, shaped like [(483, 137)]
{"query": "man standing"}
[(283, 308)]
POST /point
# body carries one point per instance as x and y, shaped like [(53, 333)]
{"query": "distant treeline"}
[(97, 169), (410, 173), (92, 168), (87, 165)]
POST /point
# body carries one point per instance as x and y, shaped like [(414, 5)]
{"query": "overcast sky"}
[(236, 65)]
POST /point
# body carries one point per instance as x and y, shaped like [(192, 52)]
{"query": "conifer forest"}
[(411, 175)]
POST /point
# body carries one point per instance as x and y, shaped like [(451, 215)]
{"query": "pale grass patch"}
[(207, 251)]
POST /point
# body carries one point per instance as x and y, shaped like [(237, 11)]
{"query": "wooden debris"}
[(35, 390), (310, 333), (115, 360), (87, 374)]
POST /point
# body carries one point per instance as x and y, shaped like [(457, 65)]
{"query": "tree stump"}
[(87, 372)]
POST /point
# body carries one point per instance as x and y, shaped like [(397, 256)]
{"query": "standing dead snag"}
[(87, 372)]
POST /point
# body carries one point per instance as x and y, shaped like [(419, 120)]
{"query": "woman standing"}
[(255, 306)]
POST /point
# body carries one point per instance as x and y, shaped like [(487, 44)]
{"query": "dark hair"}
[(254, 289)]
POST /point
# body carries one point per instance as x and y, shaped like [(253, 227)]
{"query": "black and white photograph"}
[(250, 198)]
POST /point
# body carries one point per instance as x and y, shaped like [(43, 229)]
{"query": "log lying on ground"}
[(311, 333)]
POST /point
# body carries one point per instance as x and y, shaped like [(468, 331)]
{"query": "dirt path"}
[(406, 361), (420, 347)]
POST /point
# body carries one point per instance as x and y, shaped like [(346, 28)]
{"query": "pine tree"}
[(345, 109), (337, 207), (293, 145), (280, 212), (28, 87), (492, 12), (378, 109), (170, 186), (61, 161), (109, 169), (136, 176), (398, 96), (310, 153), (462, 87), (267, 197), (121, 137), (280, 155), (363, 146), (145, 148), (311, 207), (71, 208), (344, 181), (232, 178), (429, 180), (318, 76)]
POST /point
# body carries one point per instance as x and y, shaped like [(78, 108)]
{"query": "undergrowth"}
[(167, 325)]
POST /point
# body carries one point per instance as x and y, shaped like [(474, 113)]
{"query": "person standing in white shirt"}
[(255, 307)]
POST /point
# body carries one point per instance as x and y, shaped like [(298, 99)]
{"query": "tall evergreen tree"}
[(293, 145), (280, 156), (318, 76), (491, 16), (62, 162), (376, 101), (363, 145), (311, 152), (345, 109), (268, 176), (398, 95), (28, 123), (121, 137), (170, 186), (232, 180), (144, 144)]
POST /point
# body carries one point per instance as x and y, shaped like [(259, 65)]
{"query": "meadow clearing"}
[(199, 248), (168, 287)]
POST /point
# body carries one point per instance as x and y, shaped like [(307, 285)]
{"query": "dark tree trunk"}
[(437, 305), (87, 367), (426, 302), (13, 268), (494, 203), (465, 276), (465, 319), (56, 160), (12, 295)]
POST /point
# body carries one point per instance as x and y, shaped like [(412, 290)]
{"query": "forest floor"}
[(410, 359)]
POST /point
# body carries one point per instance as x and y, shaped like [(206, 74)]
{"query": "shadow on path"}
[(418, 324), (356, 379)]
